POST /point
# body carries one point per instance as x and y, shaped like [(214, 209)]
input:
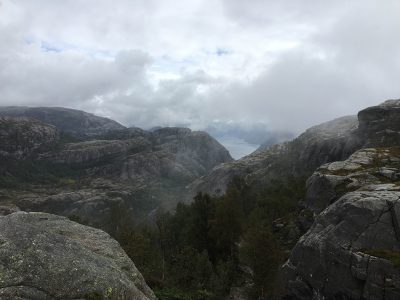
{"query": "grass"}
[(392, 256)]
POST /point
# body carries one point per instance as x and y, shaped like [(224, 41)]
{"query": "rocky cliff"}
[(21, 138), (44, 256), (129, 167), (352, 250)]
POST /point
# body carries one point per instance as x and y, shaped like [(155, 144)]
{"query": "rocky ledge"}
[(352, 250), (44, 256)]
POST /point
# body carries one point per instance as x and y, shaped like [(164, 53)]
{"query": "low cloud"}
[(286, 65)]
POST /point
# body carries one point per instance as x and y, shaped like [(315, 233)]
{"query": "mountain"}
[(331, 141), (88, 168), (338, 240), (77, 123)]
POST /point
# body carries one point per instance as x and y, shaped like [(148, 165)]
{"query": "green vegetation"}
[(393, 256), (200, 251), (13, 173)]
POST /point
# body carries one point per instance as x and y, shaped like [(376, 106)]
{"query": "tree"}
[(261, 252), (226, 228)]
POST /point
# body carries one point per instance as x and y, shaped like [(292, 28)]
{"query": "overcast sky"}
[(288, 64)]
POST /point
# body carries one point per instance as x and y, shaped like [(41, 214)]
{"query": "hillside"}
[(63, 168)]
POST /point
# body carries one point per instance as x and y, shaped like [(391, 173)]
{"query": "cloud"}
[(285, 64)]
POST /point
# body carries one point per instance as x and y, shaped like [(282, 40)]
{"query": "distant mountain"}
[(242, 139), (108, 165), (330, 141), (74, 122)]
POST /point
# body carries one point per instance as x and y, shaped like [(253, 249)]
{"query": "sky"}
[(280, 65)]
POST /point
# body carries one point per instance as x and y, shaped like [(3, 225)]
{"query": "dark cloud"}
[(285, 64)]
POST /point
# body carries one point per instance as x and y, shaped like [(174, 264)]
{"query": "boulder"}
[(44, 256)]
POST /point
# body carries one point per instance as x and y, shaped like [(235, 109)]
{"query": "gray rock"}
[(21, 138), (351, 250), (379, 125), (44, 256), (366, 167)]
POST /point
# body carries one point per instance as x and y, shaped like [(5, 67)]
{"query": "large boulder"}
[(352, 250), (44, 256)]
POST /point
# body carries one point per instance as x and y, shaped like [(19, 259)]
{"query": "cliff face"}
[(379, 125), (127, 167), (23, 137), (353, 248), (45, 256)]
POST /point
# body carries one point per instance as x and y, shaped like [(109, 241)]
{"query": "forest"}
[(214, 245)]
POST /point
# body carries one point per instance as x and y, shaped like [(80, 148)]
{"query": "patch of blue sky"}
[(222, 52), (168, 65), (57, 47), (48, 47)]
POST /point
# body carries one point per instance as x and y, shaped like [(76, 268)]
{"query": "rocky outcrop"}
[(379, 125), (44, 256), (23, 137), (352, 250), (74, 122), (367, 166)]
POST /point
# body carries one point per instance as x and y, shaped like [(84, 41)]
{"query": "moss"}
[(392, 256), (94, 296), (109, 292)]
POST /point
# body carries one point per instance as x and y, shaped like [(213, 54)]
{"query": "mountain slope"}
[(128, 169), (74, 122), (331, 141)]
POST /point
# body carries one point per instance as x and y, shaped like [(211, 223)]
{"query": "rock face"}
[(74, 122), (23, 137), (122, 167), (352, 250), (380, 124), (44, 256)]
